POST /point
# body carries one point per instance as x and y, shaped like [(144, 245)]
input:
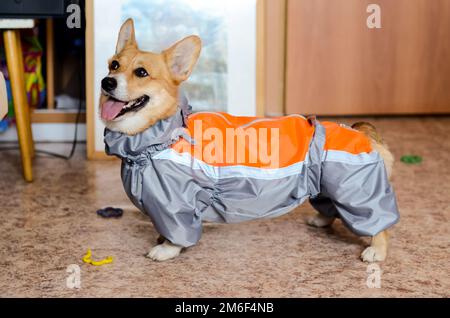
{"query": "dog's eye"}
[(140, 72), (115, 65)]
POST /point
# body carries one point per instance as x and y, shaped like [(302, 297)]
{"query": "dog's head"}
[(142, 87)]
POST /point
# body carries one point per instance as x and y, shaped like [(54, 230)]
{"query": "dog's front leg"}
[(164, 251), (377, 250), (320, 220)]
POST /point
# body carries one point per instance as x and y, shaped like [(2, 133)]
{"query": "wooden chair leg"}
[(28, 112), (11, 39)]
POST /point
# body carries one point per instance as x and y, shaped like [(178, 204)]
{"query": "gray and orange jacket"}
[(166, 176)]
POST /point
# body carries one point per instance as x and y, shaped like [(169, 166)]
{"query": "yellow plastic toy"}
[(87, 259)]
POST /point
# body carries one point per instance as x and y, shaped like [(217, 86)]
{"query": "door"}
[(336, 65)]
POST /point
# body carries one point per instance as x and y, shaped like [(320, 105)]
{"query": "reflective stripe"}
[(346, 157), (237, 171)]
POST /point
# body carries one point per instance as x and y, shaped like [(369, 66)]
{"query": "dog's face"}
[(142, 87)]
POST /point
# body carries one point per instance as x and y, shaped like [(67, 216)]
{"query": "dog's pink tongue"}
[(111, 108)]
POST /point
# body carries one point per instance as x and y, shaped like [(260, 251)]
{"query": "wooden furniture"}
[(14, 60), (50, 68), (336, 65), (51, 114), (46, 10), (274, 64)]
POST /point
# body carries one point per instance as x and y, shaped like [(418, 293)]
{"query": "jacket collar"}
[(157, 137)]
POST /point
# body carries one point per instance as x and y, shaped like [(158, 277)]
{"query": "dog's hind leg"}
[(377, 250)]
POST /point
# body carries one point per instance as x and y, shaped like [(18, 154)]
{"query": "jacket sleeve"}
[(180, 225), (360, 194), (174, 204)]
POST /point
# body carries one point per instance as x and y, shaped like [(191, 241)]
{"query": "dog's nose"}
[(109, 83)]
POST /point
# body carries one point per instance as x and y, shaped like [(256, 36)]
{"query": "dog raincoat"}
[(176, 174)]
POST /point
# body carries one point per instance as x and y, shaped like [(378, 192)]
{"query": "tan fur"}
[(377, 251), (167, 70), (377, 143)]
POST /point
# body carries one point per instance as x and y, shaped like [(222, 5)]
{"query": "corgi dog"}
[(343, 171)]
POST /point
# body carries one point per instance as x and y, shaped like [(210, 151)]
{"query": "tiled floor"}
[(47, 225)]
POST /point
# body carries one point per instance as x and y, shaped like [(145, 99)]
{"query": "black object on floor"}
[(110, 212)]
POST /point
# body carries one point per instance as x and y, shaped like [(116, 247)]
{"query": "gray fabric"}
[(361, 196), (178, 197)]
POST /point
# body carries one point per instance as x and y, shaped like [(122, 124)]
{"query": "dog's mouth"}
[(114, 108)]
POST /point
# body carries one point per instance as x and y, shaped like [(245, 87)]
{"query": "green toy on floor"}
[(411, 159)]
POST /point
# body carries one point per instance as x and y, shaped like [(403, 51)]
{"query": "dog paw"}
[(373, 254), (164, 251), (319, 220)]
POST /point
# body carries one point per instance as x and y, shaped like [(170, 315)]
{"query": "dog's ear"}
[(182, 56), (126, 36)]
